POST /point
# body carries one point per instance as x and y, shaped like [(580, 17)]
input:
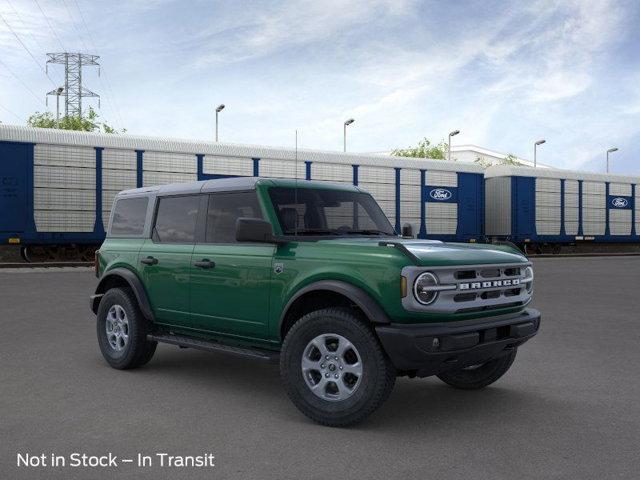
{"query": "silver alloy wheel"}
[(332, 367), (117, 327)]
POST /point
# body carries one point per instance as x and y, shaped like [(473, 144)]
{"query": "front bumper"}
[(429, 349)]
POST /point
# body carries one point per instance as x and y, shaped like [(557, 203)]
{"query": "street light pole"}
[(59, 90), (219, 108), (535, 151), (611, 150), (344, 136), (451, 134)]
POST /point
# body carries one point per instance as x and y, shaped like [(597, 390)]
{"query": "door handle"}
[(204, 263), (149, 261)]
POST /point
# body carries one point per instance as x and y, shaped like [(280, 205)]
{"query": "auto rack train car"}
[(58, 186), (544, 210)]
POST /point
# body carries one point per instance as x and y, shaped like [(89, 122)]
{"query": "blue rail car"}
[(58, 186), (549, 208)]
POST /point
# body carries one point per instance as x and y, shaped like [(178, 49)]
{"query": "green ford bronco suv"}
[(312, 275)]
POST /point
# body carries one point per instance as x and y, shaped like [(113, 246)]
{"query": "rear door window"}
[(128, 216), (176, 219), (224, 209)]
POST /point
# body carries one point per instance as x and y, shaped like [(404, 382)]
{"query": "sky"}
[(504, 73)]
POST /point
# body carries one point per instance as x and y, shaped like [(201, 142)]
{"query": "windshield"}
[(311, 211)]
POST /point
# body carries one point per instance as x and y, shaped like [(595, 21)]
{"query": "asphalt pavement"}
[(568, 408)]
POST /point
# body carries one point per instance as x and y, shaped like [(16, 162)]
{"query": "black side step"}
[(210, 346)]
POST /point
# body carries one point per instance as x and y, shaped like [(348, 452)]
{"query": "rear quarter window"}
[(129, 215)]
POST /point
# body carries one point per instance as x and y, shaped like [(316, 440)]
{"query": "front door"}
[(230, 281), (165, 259)]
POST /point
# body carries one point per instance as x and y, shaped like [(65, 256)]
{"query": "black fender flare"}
[(362, 299), (134, 283)]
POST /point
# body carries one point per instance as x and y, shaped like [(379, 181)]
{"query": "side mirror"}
[(407, 230), (253, 230)]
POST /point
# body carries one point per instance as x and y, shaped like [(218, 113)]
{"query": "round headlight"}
[(422, 288), (528, 279)]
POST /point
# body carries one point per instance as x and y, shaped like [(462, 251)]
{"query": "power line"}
[(75, 27), (27, 49), (111, 98), (12, 113), (24, 25), (50, 26), (21, 81)]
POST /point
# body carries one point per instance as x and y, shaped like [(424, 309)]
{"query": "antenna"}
[(295, 190)]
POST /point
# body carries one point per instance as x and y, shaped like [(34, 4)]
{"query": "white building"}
[(470, 153)]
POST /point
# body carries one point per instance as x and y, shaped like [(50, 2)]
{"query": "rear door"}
[(165, 258), (230, 281), (13, 186)]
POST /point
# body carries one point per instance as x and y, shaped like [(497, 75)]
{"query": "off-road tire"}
[(480, 377), (378, 377), (138, 350)]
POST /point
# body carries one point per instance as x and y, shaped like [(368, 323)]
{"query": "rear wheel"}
[(479, 376), (122, 331), (334, 369)]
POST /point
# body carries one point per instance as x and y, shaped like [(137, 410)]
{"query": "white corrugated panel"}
[(169, 162), (367, 174), (571, 228), (410, 177), (64, 220), (131, 142), (332, 172), (441, 179), (162, 178), (571, 204), (64, 199), (594, 188), (571, 186), (623, 189), (118, 159), (594, 208), (547, 185), (64, 156), (410, 198), (571, 218), (441, 218), (273, 168), (548, 208), (381, 191), (64, 180), (620, 221), (498, 206), (119, 179), (218, 165), (509, 171)]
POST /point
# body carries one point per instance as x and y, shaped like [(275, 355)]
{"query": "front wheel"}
[(479, 376), (334, 369)]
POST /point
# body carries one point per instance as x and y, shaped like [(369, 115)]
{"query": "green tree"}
[(510, 159), (87, 123), (425, 149)]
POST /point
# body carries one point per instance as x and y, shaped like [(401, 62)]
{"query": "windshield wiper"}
[(367, 232), (313, 231)]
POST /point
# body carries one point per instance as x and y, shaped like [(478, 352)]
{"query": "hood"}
[(436, 253), (443, 254)]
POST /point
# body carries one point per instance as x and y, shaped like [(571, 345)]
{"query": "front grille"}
[(472, 288)]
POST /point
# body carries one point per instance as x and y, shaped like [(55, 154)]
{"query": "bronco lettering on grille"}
[(489, 284)]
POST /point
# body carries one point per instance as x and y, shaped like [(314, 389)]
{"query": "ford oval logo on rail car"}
[(440, 194), (619, 202)]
